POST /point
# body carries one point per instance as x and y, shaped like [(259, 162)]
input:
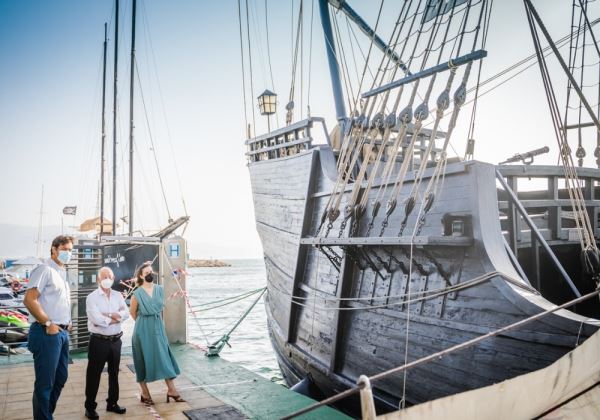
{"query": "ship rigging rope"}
[(289, 116), (343, 160), (149, 42), (440, 113), (344, 64), (228, 301), (357, 141), (312, 10), (440, 354), (420, 296), (151, 138), (471, 132), (183, 294), (582, 221), (459, 100), (547, 52), (426, 202), (371, 43), (573, 50), (389, 125), (421, 113), (269, 47), (402, 133), (243, 69), (351, 149), (250, 65), (395, 150)]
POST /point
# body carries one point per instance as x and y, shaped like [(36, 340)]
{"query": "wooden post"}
[(535, 259), (514, 228), (554, 212), (366, 399)]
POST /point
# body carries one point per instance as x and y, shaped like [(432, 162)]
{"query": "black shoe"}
[(91, 414), (116, 409)]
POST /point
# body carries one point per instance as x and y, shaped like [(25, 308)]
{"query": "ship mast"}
[(131, 126), (334, 70), (114, 197), (102, 158)]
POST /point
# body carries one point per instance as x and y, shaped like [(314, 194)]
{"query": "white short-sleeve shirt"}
[(55, 294)]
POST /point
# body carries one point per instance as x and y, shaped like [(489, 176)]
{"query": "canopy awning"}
[(94, 224)]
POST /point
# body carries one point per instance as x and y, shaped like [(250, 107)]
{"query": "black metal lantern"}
[(267, 102)]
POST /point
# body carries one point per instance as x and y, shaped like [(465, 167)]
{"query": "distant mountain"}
[(20, 241)]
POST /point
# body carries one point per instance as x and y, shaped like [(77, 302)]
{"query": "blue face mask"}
[(64, 256)]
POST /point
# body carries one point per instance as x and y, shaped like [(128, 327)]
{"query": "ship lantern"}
[(267, 102)]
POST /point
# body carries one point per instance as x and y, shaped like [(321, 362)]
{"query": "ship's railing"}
[(286, 141), (549, 206), (542, 218)]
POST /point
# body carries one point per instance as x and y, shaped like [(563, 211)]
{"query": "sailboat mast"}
[(103, 157), (114, 197), (131, 126)]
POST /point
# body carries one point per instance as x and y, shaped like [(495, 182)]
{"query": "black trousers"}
[(101, 352)]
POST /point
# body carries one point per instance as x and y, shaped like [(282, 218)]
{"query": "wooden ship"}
[(380, 249)]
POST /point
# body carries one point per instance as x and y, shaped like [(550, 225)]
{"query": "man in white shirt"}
[(106, 311), (48, 300)]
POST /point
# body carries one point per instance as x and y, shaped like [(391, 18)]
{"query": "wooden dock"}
[(212, 388)]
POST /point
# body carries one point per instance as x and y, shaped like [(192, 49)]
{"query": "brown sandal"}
[(147, 401), (177, 398)]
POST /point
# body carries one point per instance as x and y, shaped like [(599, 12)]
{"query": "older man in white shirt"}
[(106, 311)]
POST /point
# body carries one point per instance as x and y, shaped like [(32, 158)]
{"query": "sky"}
[(189, 107)]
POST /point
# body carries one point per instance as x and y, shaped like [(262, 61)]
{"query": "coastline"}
[(197, 263)]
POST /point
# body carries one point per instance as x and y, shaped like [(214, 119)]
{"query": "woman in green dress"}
[(152, 357)]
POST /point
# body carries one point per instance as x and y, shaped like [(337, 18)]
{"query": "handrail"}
[(290, 128), (279, 146)]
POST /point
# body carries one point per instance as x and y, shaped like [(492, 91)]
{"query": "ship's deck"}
[(208, 385)]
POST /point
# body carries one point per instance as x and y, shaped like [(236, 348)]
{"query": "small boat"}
[(14, 326)]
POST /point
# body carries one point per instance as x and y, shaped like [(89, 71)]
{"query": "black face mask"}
[(149, 277)]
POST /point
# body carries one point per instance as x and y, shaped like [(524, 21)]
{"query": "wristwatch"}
[(47, 323)]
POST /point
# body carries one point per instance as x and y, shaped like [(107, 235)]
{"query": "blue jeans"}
[(50, 360)]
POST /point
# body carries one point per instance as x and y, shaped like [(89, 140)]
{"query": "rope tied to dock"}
[(214, 348)]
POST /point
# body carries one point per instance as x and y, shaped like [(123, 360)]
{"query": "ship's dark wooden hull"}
[(335, 347)]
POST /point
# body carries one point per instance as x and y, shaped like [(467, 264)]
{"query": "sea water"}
[(250, 344)]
